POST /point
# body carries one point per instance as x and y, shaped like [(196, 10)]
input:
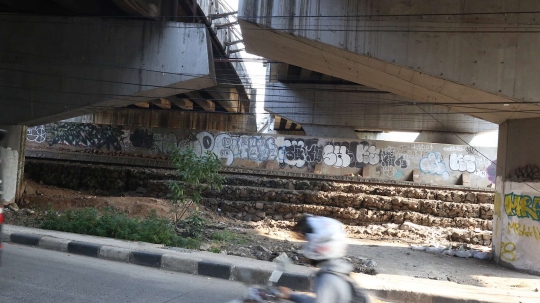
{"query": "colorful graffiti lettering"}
[(524, 230), (508, 251), (522, 206)]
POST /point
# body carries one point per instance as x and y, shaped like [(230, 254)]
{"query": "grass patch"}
[(215, 250), (115, 224), (229, 237)]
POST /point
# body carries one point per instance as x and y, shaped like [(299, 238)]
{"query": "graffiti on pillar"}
[(524, 230), (36, 134), (525, 173), (508, 251), (522, 206)]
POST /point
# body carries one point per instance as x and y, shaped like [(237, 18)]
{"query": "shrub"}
[(115, 224), (196, 173)]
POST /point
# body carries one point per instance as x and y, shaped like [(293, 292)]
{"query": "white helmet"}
[(326, 239)]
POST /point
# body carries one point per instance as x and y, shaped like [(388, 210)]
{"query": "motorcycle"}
[(266, 293)]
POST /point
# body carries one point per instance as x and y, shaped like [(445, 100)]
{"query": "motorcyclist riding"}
[(325, 248)]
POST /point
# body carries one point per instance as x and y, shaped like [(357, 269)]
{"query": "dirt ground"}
[(370, 252)]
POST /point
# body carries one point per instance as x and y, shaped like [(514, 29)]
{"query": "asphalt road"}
[(36, 275)]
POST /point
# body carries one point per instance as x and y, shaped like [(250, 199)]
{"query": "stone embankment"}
[(466, 216)]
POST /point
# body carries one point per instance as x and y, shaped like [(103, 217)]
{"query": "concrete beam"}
[(144, 8), (330, 131), (448, 56), (203, 102), (54, 68), (226, 97), (182, 103), (358, 107), (172, 119), (445, 137), (162, 103), (142, 104)]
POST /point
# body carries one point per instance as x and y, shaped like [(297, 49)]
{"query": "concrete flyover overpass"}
[(475, 58), (167, 63)]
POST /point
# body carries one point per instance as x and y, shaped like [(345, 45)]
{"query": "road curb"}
[(163, 261), (25, 239), (250, 272)]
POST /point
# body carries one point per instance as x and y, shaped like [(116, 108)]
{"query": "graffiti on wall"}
[(230, 147), (390, 160), (491, 171), (522, 206), (36, 134), (462, 163), (84, 135), (309, 152), (433, 164)]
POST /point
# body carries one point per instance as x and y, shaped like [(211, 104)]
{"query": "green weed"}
[(115, 224)]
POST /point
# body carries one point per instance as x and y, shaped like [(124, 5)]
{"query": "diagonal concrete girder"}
[(55, 68), (360, 107), (449, 58)]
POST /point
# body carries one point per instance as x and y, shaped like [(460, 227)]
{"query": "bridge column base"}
[(12, 162), (516, 223)]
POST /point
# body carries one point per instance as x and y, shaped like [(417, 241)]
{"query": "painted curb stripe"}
[(297, 282), (83, 248), (215, 270), (25, 239), (145, 259)]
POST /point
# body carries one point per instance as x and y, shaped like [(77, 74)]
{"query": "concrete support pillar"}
[(516, 223), (444, 137), (12, 162), (329, 131)]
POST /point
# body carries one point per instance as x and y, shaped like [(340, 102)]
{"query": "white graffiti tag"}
[(36, 134), (368, 154), (462, 163), (434, 164), (336, 156)]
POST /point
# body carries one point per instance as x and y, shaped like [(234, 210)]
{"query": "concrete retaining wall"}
[(426, 163)]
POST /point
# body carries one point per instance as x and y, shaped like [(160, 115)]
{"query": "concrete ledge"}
[(178, 264), (5, 236), (54, 243), (296, 282), (145, 259), (25, 239), (114, 253), (214, 269), (250, 275), (82, 248)]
